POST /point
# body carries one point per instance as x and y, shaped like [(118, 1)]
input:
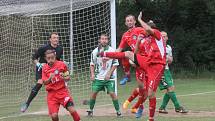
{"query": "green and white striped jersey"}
[(103, 64)]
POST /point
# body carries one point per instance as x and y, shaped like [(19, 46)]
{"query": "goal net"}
[(25, 25)]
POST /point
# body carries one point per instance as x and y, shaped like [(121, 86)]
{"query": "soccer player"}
[(102, 74), (167, 85), (39, 60), (153, 63), (55, 75)]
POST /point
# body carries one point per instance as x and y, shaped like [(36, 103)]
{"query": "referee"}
[(39, 59)]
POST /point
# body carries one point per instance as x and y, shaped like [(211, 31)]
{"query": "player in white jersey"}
[(102, 74), (167, 85)]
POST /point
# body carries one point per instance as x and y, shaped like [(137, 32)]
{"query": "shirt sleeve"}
[(44, 75), (123, 43), (157, 34)]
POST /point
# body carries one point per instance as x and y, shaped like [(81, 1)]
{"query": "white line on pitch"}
[(19, 115)]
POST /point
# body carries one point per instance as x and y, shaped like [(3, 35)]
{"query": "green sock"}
[(92, 103), (174, 99), (165, 101), (116, 105)]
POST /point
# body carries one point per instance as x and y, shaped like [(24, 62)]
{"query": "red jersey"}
[(57, 82), (154, 47), (130, 37)]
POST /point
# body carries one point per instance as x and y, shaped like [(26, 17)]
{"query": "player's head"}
[(54, 38), (50, 56), (165, 36), (130, 21), (152, 24), (103, 40)]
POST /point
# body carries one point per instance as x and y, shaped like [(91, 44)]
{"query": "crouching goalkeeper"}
[(102, 74)]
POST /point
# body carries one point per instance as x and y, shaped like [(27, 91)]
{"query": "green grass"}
[(195, 103)]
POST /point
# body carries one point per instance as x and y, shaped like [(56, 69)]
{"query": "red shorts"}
[(154, 74), (57, 98), (140, 74)]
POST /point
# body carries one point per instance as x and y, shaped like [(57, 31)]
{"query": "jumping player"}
[(153, 63), (167, 85), (55, 75), (102, 74), (39, 60)]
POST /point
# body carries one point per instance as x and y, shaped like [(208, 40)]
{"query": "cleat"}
[(24, 107), (139, 113), (123, 81), (161, 110), (133, 110), (90, 113), (125, 104), (119, 114), (181, 110)]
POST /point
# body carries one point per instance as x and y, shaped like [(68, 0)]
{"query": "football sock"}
[(92, 103), (152, 107), (116, 105), (126, 67), (165, 101), (141, 106), (75, 116), (134, 94), (174, 99), (116, 55), (33, 93)]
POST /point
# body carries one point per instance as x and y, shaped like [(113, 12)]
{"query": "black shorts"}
[(38, 73)]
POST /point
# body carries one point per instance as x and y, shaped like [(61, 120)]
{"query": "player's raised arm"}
[(147, 28)]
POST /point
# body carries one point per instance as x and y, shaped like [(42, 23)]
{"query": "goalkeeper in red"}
[(153, 63), (102, 74), (55, 75)]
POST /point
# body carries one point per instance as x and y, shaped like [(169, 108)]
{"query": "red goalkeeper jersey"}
[(57, 82), (130, 37)]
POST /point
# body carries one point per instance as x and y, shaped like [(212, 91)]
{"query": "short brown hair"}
[(52, 34), (130, 15)]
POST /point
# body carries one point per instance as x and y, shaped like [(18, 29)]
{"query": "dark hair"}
[(152, 24), (131, 16), (49, 51), (103, 34), (52, 34)]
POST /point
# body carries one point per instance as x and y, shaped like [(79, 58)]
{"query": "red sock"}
[(152, 107), (116, 55), (126, 66), (134, 94), (75, 116), (142, 98), (141, 106)]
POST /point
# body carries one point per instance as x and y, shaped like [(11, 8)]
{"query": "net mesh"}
[(25, 25)]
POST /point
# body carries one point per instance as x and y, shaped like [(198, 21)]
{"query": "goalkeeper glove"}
[(39, 66)]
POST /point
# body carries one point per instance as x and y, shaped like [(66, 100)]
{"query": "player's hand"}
[(92, 77), (140, 16), (107, 77)]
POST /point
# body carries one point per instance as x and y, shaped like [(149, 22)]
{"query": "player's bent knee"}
[(113, 95), (69, 104)]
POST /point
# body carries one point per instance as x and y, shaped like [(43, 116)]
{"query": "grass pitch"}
[(197, 95)]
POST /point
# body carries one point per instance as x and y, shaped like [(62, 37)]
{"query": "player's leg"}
[(155, 73), (118, 55), (97, 86), (163, 87), (34, 90), (126, 69), (171, 92), (110, 86), (53, 106), (133, 95), (70, 107)]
